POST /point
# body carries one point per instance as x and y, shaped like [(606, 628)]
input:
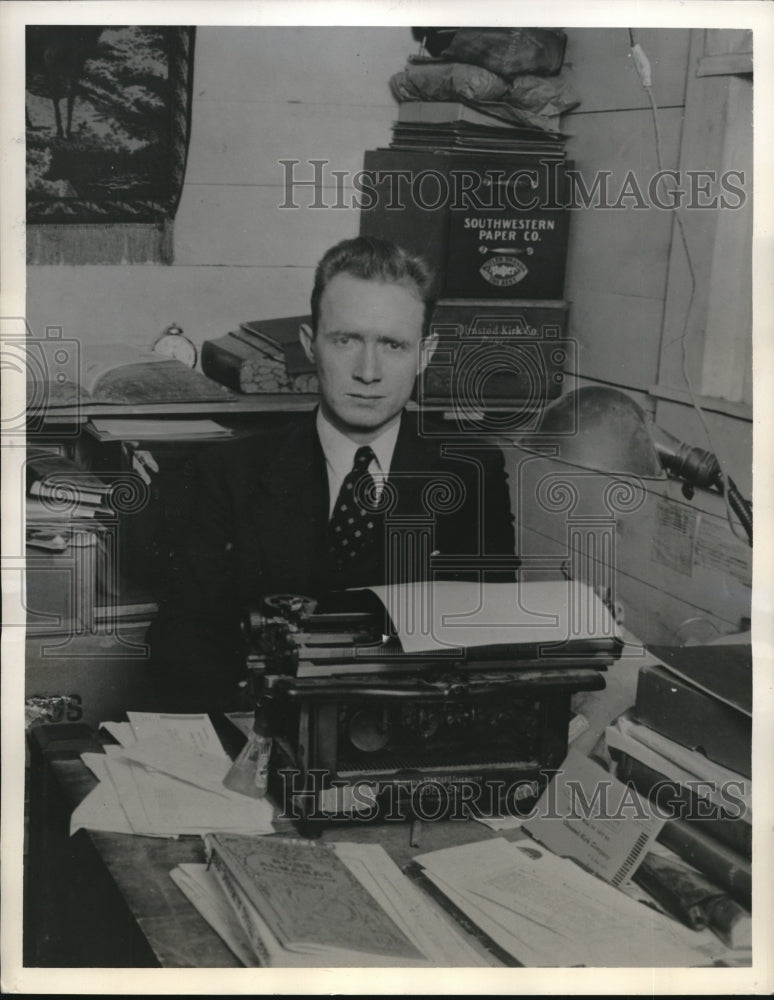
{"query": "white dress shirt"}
[(339, 451)]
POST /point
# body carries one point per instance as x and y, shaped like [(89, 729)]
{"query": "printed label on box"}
[(673, 536)]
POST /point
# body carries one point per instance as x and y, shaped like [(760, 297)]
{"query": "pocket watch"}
[(173, 343)]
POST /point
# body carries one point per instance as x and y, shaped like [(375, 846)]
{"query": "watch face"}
[(174, 345)]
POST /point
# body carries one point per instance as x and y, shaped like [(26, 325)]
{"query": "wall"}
[(618, 258), (679, 570), (626, 280), (260, 95)]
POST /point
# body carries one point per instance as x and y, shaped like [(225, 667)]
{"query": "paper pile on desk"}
[(546, 911), (588, 815), (164, 779)]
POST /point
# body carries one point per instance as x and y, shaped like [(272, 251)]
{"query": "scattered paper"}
[(195, 730), (177, 759), (96, 764), (546, 911), (157, 803), (588, 815), (167, 781), (100, 810), (122, 732), (435, 936)]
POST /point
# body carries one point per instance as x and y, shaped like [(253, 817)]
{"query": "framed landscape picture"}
[(107, 122)]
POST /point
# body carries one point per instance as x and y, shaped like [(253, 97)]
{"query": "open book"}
[(122, 374)]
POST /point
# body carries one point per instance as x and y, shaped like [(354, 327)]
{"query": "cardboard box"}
[(490, 226)]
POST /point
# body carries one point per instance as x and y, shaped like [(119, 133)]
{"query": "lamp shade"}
[(602, 429)]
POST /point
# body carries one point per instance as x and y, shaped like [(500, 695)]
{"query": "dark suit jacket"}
[(260, 525)]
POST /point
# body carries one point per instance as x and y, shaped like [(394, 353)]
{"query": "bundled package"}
[(446, 82), (541, 96), (505, 68), (509, 52)]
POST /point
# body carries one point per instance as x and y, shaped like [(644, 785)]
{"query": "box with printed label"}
[(509, 353), (491, 226)]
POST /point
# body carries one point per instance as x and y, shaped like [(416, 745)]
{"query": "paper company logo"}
[(503, 271)]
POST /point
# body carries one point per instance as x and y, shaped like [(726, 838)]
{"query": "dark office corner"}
[(64, 885)]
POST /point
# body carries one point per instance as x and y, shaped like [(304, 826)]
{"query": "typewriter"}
[(423, 700)]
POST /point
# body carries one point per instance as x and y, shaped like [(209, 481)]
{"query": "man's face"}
[(368, 351)]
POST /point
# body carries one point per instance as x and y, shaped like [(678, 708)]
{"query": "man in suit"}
[(328, 502)]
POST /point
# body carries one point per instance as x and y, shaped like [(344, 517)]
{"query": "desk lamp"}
[(604, 430)]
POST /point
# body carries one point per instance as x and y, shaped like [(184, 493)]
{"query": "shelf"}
[(259, 403)]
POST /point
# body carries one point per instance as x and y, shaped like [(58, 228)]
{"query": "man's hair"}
[(373, 259)]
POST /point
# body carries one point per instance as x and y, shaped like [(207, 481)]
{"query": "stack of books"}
[(686, 746), (483, 127), (261, 356), (62, 500), (67, 515)]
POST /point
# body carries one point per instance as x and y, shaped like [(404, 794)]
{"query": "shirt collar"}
[(340, 450)]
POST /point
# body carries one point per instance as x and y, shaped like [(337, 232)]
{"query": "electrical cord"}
[(741, 507), (642, 65)]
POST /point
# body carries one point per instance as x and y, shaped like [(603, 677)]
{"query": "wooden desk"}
[(106, 899)]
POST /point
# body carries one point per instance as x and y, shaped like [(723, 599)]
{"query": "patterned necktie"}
[(353, 525)]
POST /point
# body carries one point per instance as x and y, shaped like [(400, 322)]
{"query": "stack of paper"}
[(546, 911), (589, 816), (161, 429), (379, 918), (164, 779)]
